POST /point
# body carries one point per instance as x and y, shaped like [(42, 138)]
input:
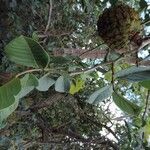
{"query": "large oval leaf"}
[(45, 83), (62, 84), (126, 105), (8, 92), (4, 113), (8, 103), (25, 51), (13, 92), (134, 74), (100, 95)]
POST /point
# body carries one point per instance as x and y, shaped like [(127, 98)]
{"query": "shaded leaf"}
[(4, 113), (126, 105), (113, 2), (145, 84), (8, 103), (143, 4), (8, 92), (100, 95), (15, 92), (28, 83), (60, 60), (25, 51), (134, 74), (137, 122), (112, 56), (62, 84), (35, 36), (45, 83)]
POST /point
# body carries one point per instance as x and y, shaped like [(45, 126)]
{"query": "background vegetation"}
[(54, 95)]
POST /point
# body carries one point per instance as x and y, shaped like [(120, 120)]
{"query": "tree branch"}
[(49, 16), (145, 42), (102, 125), (82, 53), (88, 70)]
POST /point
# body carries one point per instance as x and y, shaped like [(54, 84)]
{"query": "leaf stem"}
[(32, 70), (112, 79), (49, 16), (146, 106)]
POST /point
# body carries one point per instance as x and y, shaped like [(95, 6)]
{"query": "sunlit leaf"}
[(77, 86), (146, 130)]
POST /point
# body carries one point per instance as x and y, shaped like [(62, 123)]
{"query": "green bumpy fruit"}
[(117, 24)]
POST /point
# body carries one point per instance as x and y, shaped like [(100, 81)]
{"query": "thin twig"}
[(145, 42), (146, 106), (32, 70), (146, 22), (49, 16), (112, 76), (98, 124), (28, 71), (88, 70)]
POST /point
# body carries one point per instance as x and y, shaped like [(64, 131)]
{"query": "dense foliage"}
[(62, 87)]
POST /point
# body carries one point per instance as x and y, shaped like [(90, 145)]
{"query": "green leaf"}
[(145, 84), (100, 95), (112, 56), (35, 36), (143, 4), (125, 105), (28, 83), (45, 83), (13, 91), (8, 92), (146, 130), (8, 103), (77, 86), (137, 122), (25, 51), (113, 2), (134, 74), (108, 75), (60, 60), (4, 113), (62, 84)]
